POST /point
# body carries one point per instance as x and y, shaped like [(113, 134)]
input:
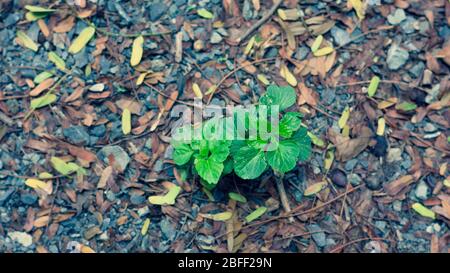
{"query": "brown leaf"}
[(42, 86), (76, 94), (130, 104), (394, 187), (107, 174), (347, 148), (65, 25), (307, 95)]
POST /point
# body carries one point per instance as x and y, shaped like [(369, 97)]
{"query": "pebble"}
[(350, 165), (98, 87), (157, 10), (394, 154), (338, 177), (373, 182), (143, 211), (215, 38), (77, 135), (168, 229), (429, 128), (354, 179), (397, 205), (421, 191), (121, 158), (28, 198), (396, 57), (22, 238), (397, 17), (340, 36), (318, 236)]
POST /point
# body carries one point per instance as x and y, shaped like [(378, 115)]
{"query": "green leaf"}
[(209, 169), (222, 216), (36, 9), (54, 58), (27, 41), (81, 41), (373, 86), (249, 163), (284, 96), (424, 211), (303, 141), (406, 106), (182, 154), (227, 166), (255, 214), (31, 16), (205, 13), (168, 199), (285, 157), (237, 197), (42, 101), (290, 123), (316, 140), (42, 76), (63, 167), (219, 150), (316, 44), (344, 117)]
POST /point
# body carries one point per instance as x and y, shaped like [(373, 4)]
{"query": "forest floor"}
[(387, 185)]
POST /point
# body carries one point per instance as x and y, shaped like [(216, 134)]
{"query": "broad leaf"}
[(284, 96), (290, 123), (182, 154), (285, 157), (249, 163), (303, 141), (219, 150), (209, 169)]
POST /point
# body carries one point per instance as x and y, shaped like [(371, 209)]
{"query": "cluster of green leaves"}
[(213, 157)]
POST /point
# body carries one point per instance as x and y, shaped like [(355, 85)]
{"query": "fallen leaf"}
[(255, 214), (314, 188), (137, 51), (126, 121), (424, 211), (26, 41), (81, 41)]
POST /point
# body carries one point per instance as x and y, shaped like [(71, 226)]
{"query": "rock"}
[(350, 165), (338, 177), (318, 236), (76, 135), (421, 191), (98, 131), (215, 38), (121, 158), (28, 198), (22, 238), (394, 154), (396, 57), (429, 128), (137, 199), (5, 195), (302, 52), (397, 17), (143, 211), (373, 182), (167, 228), (98, 87), (157, 10), (340, 36), (354, 179), (397, 205)]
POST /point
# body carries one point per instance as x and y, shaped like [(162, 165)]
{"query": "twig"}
[(283, 195), (234, 71), (261, 21), (383, 81), (356, 241)]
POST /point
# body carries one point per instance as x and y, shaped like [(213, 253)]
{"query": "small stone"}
[(318, 235), (350, 165), (104, 236), (168, 228), (436, 227), (340, 36), (215, 38), (397, 205), (354, 179), (22, 238), (28, 198), (396, 57), (98, 87), (157, 10), (199, 45), (397, 17), (394, 154), (143, 211), (373, 183), (137, 199), (421, 191), (429, 128), (338, 177), (76, 135), (121, 158), (427, 77)]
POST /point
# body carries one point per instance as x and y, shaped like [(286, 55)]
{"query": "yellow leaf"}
[(329, 157), (387, 103), (373, 86), (223, 216), (54, 58), (317, 42), (323, 51), (63, 167), (168, 199), (263, 79), (38, 184), (255, 214), (249, 46), (197, 91), (381, 126), (316, 140), (43, 101), (346, 130), (424, 211), (126, 121), (137, 50), (145, 226), (86, 249), (288, 76), (205, 13), (359, 8), (45, 175), (26, 41), (141, 78), (314, 188), (31, 16), (38, 9), (447, 183), (344, 117), (81, 41)]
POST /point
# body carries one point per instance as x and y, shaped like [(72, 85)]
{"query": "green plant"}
[(212, 157)]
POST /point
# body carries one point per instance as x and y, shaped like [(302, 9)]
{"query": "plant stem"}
[(283, 195)]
